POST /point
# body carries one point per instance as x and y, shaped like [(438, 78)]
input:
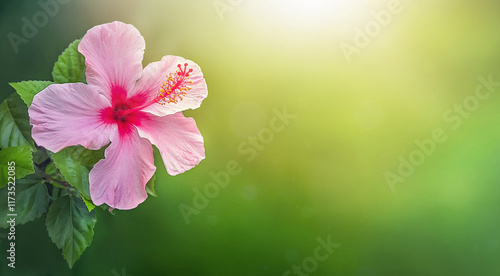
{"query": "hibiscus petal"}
[(120, 179), (68, 114), (178, 139), (113, 55), (153, 77)]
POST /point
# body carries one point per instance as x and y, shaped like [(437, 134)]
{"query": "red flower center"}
[(123, 114), (126, 112)]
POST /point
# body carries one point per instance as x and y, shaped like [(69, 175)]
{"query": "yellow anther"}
[(175, 88)]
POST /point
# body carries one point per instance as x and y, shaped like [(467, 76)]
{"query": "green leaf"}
[(28, 89), (31, 200), (54, 173), (15, 129), (58, 191), (70, 226), (40, 156), (76, 174), (73, 163), (19, 158), (70, 67), (51, 169), (150, 186), (90, 205), (85, 156)]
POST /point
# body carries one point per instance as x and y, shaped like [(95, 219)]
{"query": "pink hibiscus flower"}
[(126, 105)]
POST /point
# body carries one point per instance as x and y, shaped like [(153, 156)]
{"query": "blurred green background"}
[(323, 175)]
